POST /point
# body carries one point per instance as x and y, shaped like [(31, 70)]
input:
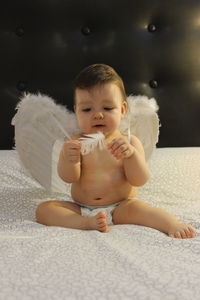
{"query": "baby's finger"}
[(73, 145), (74, 159), (121, 148), (76, 144), (124, 154), (73, 151), (110, 144), (116, 144)]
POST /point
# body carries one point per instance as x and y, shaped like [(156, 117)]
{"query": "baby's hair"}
[(98, 74)]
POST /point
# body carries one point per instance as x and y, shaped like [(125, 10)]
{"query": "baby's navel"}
[(97, 198)]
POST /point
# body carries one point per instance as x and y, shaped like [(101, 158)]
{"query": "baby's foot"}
[(99, 222), (181, 231)]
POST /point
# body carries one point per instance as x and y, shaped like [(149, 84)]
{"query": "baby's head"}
[(97, 75), (99, 99)]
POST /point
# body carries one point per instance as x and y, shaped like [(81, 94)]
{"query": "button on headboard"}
[(154, 45)]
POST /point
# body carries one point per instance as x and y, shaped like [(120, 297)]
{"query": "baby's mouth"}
[(99, 126)]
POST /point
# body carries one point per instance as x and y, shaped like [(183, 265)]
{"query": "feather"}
[(90, 141), (41, 126), (39, 122)]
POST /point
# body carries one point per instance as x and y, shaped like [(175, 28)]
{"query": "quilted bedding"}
[(129, 262)]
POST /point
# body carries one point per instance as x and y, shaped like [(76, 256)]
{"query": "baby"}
[(104, 181)]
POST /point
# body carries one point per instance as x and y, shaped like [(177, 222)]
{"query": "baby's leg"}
[(68, 214), (140, 213)]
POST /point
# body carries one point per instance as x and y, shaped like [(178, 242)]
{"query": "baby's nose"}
[(99, 115)]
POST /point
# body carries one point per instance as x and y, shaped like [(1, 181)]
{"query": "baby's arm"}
[(69, 161), (132, 153), (136, 169)]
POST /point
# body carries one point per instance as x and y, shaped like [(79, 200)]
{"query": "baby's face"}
[(100, 108)]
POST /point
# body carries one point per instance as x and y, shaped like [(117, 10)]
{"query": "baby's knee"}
[(135, 207), (41, 210)]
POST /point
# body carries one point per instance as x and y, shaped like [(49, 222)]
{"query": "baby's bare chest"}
[(101, 163), (102, 176)]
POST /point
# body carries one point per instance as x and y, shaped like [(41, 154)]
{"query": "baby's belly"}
[(103, 189)]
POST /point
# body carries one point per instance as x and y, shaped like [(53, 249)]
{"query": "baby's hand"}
[(120, 148), (72, 151)]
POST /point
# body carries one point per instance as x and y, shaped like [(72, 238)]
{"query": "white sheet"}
[(129, 262)]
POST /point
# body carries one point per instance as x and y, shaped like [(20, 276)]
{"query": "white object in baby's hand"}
[(90, 141)]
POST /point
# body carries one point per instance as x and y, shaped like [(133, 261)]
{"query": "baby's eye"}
[(108, 108), (86, 109)]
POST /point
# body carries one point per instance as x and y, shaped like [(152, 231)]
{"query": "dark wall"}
[(154, 45)]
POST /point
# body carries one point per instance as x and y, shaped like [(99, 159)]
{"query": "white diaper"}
[(88, 211)]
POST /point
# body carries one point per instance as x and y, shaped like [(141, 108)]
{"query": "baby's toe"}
[(187, 233), (102, 223), (101, 216), (192, 231), (171, 235), (177, 235), (184, 234), (104, 228)]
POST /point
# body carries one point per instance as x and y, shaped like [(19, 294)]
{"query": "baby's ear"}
[(124, 108)]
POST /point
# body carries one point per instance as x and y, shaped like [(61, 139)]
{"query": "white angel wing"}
[(39, 122), (41, 126), (142, 121)]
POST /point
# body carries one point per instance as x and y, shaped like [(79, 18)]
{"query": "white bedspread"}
[(129, 262)]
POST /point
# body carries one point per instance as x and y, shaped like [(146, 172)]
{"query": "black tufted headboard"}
[(154, 45)]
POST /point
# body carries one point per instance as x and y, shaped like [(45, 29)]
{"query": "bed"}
[(129, 262), (155, 47)]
